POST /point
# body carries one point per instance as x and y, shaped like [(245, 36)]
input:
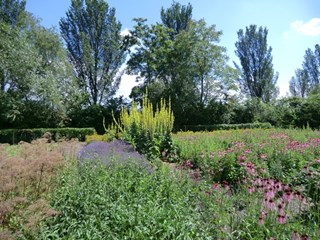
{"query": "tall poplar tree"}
[(176, 17), (311, 65), (307, 79), (257, 75), (95, 47)]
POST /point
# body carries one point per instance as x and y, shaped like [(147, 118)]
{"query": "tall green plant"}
[(148, 129)]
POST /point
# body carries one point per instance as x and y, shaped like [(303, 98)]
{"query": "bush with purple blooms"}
[(110, 153)]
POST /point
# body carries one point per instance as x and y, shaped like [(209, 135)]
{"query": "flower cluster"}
[(113, 152)]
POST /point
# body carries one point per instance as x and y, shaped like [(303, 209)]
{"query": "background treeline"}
[(69, 78)]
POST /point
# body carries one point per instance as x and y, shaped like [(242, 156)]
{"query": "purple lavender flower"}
[(115, 152)]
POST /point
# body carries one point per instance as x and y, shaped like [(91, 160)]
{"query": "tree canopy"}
[(95, 46), (69, 78), (307, 78), (180, 61), (257, 75)]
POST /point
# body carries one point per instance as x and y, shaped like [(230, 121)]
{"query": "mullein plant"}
[(148, 129)]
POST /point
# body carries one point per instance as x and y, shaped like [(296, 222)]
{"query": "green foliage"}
[(147, 129), (11, 11), (35, 78), (196, 128), (92, 116), (124, 202), (177, 17), (281, 153), (87, 29), (27, 135), (97, 138), (181, 59), (257, 74)]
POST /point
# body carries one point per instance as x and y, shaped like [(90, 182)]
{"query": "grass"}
[(241, 184)]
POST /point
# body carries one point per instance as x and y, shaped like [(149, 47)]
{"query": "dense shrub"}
[(92, 116), (55, 134), (226, 126), (148, 129)]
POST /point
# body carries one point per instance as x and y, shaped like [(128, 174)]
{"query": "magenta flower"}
[(269, 203), (242, 158), (288, 196), (188, 164), (281, 219), (215, 186), (278, 186), (247, 151), (269, 193), (262, 217)]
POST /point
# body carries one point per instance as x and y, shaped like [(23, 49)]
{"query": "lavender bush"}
[(115, 152)]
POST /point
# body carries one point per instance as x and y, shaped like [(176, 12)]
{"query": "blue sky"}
[(294, 25)]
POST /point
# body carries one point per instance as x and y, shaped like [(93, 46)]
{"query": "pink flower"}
[(215, 186), (280, 209), (247, 151), (287, 196), (295, 236), (262, 217), (226, 185), (251, 189), (250, 167), (188, 164), (269, 193), (269, 203), (257, 181), (242, 158), (281, 219), (261, 221), (318, 161), (278, 186)]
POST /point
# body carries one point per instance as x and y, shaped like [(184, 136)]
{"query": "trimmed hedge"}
[(27, 135), (198, 128)]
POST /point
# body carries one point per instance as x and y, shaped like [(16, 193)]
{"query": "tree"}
[(312, 67), (176, 17), (299, 85), (11, 11), (307, 79), (35, 77), (186, 65), (257, 75), (95, 47)]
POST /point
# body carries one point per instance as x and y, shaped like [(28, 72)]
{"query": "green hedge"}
[(27, 135), (197, 128)]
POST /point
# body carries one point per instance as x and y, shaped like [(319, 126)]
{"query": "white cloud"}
[(311, 28)]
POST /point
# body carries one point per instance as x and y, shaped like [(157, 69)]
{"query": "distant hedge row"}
[(13, 136), (197, 128)]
